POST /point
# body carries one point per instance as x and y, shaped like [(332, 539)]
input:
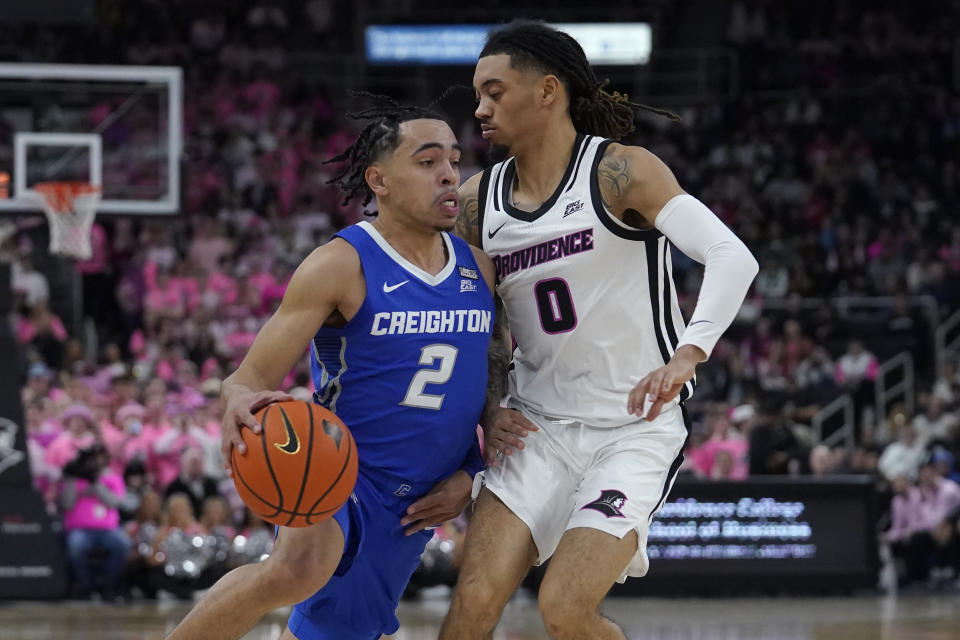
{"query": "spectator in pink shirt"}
[(124, 443), (40, 429), (156, 424), (923, 519), (44, 331), (262, 94), (166, 298), (223, 286), (155, 407), (45, 475), (113, 437), (939, 497), (170, 446), (184, 278), (135, 446), (855, 366), (189, 381), (273, 293), (90, 499), (725, 454), (901, 509), (80, 431), (209, 244), (260, 277), (169, 361)]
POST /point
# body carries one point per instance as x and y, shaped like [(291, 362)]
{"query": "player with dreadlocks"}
[(397, 315), (579, 227)]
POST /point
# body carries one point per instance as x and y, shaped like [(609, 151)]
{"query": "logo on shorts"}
[(609, 503)]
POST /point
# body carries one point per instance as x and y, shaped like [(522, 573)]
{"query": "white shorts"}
[(570, 474)]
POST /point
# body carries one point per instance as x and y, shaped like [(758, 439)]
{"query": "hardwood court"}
[(855, 618)]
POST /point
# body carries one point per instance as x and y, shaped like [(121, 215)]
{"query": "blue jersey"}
[(408, 373)]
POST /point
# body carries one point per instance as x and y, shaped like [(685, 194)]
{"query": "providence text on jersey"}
[(553, 249)]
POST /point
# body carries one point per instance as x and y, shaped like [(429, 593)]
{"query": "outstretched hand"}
[(662, 385), (445, 501)]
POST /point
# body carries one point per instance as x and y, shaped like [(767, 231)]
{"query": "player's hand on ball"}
[(662, 385), (445, 501), (239, 413), (502, 433)]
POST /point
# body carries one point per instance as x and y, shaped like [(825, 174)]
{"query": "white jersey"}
[(590, 301)]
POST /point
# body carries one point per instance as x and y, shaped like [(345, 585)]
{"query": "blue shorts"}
[(360, 600)]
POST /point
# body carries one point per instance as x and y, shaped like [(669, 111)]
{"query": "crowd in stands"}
[(838, 168), (140, 483)]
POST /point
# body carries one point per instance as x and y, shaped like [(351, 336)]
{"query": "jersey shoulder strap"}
[(355, 235), (482, 201)]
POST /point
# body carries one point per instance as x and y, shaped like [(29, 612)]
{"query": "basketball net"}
[(70, 208)]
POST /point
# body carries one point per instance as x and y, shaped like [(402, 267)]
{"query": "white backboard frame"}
[(172, 77), (23, 140)]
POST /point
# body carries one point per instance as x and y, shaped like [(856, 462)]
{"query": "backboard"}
[(119, 127)]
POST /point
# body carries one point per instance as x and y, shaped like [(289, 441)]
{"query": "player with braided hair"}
[(580, 229), (396, 315), (380, 136)]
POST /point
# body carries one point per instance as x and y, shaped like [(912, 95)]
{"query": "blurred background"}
[(825, 133)]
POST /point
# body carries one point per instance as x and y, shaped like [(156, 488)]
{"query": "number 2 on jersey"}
[(555, 306), (416, 397)]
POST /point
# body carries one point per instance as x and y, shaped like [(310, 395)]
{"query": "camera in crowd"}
[(88, 463)]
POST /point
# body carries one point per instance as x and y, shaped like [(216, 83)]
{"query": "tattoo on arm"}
[(498, 358), (613, 174), (468, 221)]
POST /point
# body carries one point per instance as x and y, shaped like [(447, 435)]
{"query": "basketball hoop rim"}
[(60, 195)]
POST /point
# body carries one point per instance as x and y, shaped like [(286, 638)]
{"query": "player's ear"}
[(550, 87), (376, 180)]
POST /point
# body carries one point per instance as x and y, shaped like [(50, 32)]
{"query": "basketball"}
[(300, 469)]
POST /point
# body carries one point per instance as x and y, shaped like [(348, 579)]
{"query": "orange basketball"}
[(300, 469)]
